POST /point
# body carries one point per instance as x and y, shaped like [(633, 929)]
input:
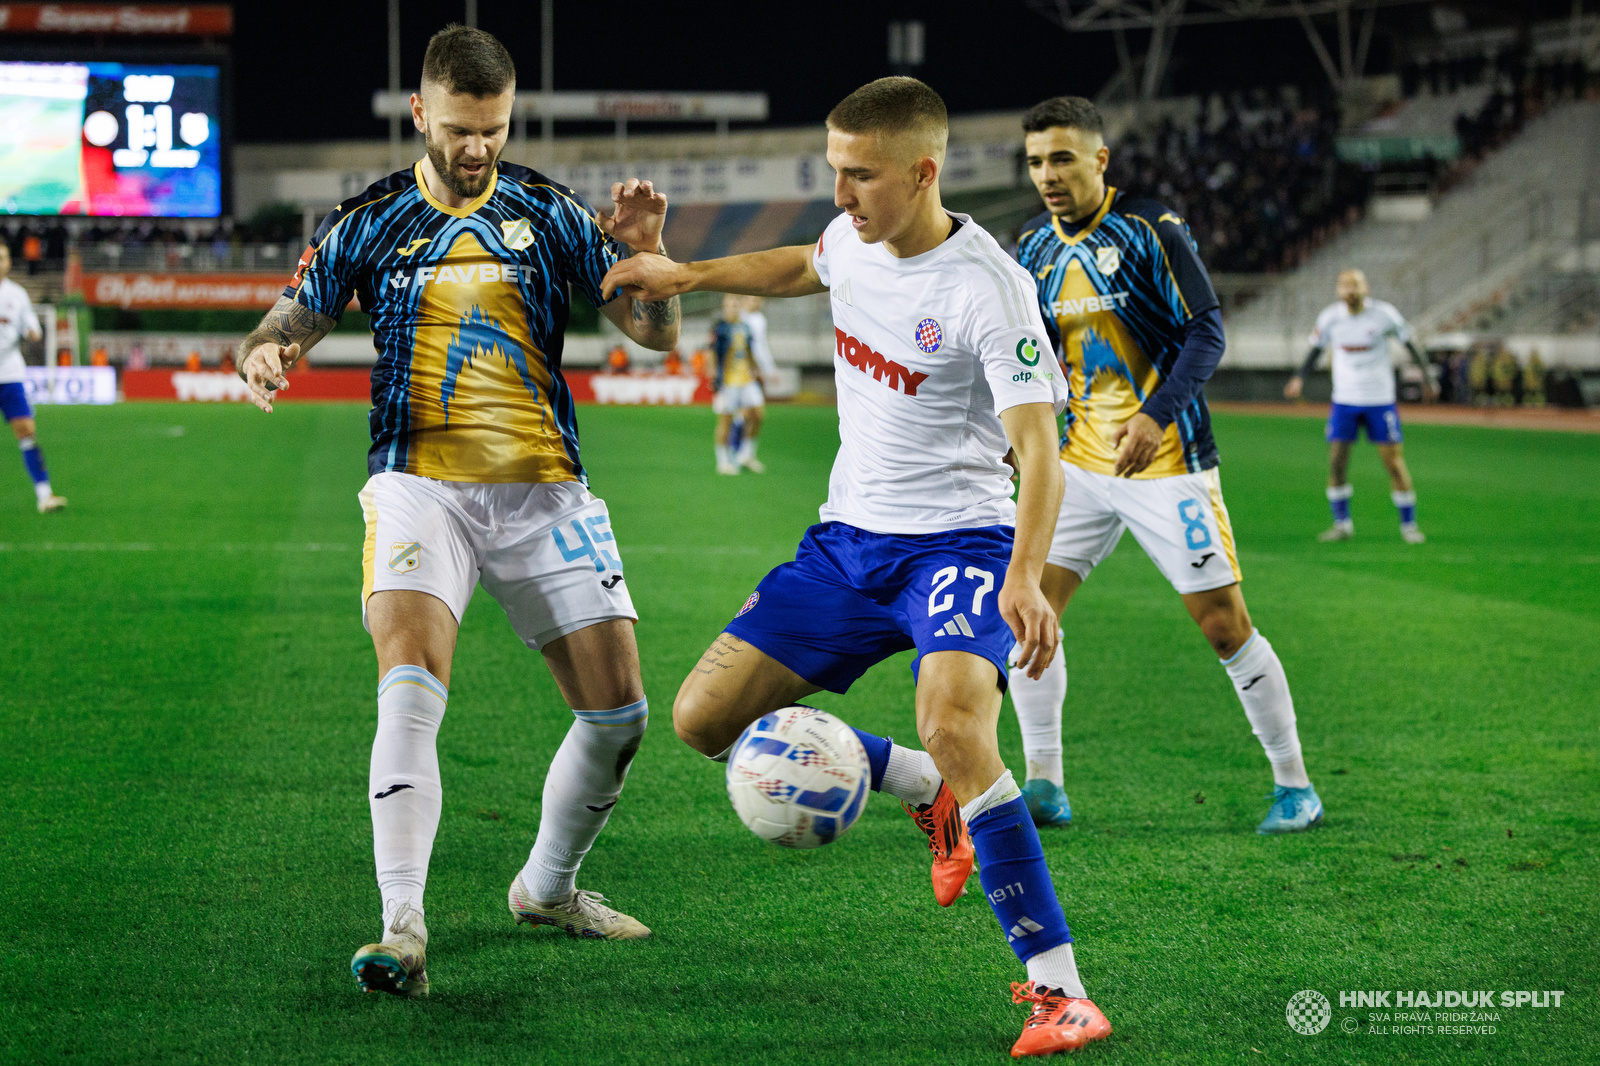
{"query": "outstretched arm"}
[(1291, 391), (776, 272), (1421, 359), (1031, 428), (285, 334)]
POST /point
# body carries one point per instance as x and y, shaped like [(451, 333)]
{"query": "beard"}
[(458, 182)]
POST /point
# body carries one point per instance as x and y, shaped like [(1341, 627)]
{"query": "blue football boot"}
[(1293, 810), (1047, 803)]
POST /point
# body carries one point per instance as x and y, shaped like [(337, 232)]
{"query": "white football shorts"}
[(731, 399), (1180, 522), (545, 552)]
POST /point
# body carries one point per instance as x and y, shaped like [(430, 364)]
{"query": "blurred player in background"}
[(739, 341), (464, 264), (17, 320), (1358, 329), (920, 546), (1132, 313)]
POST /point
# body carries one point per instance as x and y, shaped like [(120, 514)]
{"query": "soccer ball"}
[(798, 777)]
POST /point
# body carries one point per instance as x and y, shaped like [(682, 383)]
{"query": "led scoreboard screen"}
[(110, 139)]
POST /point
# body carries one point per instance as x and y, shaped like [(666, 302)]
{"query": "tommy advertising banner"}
[(355, 385)]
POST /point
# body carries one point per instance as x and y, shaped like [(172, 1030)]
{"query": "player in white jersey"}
[(17, 321), (937, 362), (1358, 330)]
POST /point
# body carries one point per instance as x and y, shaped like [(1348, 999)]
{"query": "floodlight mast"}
[(1163, 18)]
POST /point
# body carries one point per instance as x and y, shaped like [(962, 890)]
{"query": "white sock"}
[(724, 457), (1263, 689), (1038, 705), (584, 783), (1056, 968), (1004, 790), (910, 776), (41, 489), (747, 449), (403, 787)]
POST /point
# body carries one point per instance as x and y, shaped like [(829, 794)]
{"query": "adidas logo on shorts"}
[(956, 627)]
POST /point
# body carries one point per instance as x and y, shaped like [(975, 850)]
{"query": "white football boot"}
[(1342, 530), (397, 964), (580, 914), (1412, 535), (51, 503)]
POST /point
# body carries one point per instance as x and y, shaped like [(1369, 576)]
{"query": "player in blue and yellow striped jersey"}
[(1137, 329), (465, 263)]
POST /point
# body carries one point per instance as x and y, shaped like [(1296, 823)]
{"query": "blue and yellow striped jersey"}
[(735, 359), (469, 306), (1116, 291)]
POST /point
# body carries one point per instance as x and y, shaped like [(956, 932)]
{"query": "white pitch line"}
[(314, 546), (137, 546)]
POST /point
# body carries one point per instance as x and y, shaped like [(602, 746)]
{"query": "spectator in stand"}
[(1478, 377), (1533, 380), (1507, 378), (673, 363), (617, 361), (1259, 189), (32, 251)]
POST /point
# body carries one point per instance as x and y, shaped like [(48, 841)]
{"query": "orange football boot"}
[(950, 843), (1058, 1022)]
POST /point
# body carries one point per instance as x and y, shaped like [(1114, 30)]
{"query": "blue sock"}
[(1406, 504), (1016, 880), (33, 459), (877, 756), (1339, 502)]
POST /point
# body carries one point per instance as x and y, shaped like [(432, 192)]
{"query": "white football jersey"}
[(1363, 372), (760, 350), (16, 319), (927, 352)]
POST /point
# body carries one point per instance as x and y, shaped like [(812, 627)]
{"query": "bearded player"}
[(1131, 311), (938, 366), (464, 263), (1357, 329)]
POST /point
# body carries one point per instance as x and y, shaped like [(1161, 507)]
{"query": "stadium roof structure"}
[(1141, 77)]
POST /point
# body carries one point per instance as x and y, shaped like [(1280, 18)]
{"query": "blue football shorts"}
[(14, 401), (1382, 423), (851, 599)]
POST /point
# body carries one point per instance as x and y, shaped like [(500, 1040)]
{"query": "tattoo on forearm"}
[(717, 656), (658, 315), (289, 322)]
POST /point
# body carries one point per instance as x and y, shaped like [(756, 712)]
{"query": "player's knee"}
[(1226, 629), (692, 719)]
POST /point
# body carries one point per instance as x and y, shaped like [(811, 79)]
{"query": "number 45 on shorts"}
[(588, 537)]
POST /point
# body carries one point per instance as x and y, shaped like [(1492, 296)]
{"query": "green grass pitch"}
[(187, 705)]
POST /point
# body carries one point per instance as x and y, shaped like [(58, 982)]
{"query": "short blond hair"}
[(896, 107)]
